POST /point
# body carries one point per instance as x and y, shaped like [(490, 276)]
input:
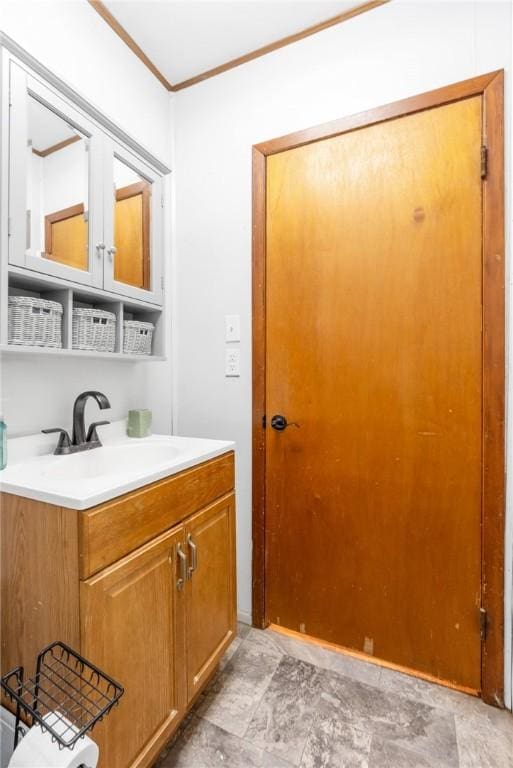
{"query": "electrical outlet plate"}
[(232, 362)]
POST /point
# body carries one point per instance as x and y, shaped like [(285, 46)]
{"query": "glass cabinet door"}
[(55, 186), (132, 226)]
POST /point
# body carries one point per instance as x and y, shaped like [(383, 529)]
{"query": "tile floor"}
[(278, 702)]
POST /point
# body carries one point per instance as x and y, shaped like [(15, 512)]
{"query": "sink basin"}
[(110, 461), (82, 480)]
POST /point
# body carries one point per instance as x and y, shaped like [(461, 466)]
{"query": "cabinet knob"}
[(99, 248), (112, 251)]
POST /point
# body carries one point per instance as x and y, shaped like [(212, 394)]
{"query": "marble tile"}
[(332, 742), (265, 641), (243, 629), (275, 642), (204, 745), (283, 719), (230, 653), (445, 698), (233, 696), (383, 754), (389, 716), (481, 745)]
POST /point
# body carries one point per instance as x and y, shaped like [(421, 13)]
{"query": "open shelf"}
[(25, 283)]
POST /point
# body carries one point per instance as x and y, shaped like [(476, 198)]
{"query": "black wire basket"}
[(66, 697)]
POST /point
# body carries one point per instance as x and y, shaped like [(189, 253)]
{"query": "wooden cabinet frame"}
[(491, 88)]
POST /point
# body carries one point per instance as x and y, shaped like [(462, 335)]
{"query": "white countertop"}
[(122, 464)]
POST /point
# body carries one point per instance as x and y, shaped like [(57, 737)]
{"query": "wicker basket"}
[(34, 322), (93, 329), (137, 337)]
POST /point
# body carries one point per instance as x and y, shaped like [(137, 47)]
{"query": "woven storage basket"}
[(34, 322), (137, 337), (93, 329)]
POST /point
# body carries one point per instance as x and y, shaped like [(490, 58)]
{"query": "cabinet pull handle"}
[(194, 555), (182, 557)]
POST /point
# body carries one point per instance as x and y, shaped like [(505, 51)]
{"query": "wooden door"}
[(132, 626), (132, 235), (66, 237), (374, 347), (210, 592)]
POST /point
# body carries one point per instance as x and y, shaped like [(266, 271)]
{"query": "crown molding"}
[(110, 19)]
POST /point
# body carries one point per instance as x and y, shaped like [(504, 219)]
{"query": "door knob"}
[(279, 423)]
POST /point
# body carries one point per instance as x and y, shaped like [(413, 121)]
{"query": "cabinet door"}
[(210, 589), (132, 226), (132, 626), (55, 184)]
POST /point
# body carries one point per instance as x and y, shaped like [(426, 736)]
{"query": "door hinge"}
[(484, 161), (9, 227), (483, 623), (162, 201), (162, 283), (264, 421)]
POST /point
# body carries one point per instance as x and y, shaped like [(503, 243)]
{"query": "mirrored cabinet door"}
[(55, 200), (133, 226)]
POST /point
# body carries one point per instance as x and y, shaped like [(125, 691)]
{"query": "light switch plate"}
[(232, 362), (232, 327)]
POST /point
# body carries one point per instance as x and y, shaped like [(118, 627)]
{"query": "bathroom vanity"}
[(142, 584)]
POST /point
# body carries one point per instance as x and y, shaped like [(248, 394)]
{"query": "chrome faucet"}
[(80, 441)]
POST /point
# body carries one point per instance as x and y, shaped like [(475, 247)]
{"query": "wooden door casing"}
[(210, 591), (490, 87), (132, 624)]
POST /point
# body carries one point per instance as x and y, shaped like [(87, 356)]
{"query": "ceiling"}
[(185, 39), (46, 129)]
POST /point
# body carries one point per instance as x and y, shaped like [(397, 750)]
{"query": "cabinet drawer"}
[(112, 530)]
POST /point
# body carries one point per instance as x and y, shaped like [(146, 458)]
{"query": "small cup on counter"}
[(139, 423)]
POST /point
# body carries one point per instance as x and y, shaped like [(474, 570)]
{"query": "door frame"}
[(491, 87)]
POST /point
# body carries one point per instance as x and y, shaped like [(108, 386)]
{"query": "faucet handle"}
[(92, 434), (64, 443)]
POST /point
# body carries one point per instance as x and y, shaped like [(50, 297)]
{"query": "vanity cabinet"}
[(132, 624), (209, 590), (143, 585)]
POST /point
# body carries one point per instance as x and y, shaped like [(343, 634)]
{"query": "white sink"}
[(82, 480), (110, 460)]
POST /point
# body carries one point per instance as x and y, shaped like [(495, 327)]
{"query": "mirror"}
[(132, 210), (57, 188)]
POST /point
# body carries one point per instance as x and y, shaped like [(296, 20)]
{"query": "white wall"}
[(72, 40), (396, 51)]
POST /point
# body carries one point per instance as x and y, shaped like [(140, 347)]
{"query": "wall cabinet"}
[(145, 587), (81, 206)]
